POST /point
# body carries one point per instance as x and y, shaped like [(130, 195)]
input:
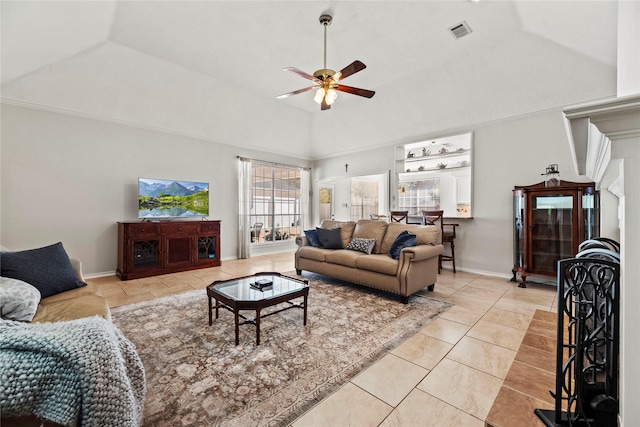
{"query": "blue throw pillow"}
[(48, 269), (312, 237), (329, 238), (404, 240)]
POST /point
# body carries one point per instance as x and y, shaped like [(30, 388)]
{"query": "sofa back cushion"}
[(425, 234), (346, 229), (371, 229)]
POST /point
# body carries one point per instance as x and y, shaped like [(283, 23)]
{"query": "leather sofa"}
[(416, 268), (73, 304)]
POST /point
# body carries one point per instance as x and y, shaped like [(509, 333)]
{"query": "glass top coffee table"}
[(244, 294)]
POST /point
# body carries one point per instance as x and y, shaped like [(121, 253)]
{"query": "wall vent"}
[(460, 30)]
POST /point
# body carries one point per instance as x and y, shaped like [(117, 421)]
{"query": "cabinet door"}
[(144, 254), (551, 231), (207, 249), (178, 250)]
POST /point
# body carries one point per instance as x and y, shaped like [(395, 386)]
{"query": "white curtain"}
[(305, 198), (244, 208)]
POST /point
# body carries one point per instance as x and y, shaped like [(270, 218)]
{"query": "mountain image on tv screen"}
[(164, 198)]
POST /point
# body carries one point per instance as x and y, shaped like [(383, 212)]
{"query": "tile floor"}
[(447, 374)]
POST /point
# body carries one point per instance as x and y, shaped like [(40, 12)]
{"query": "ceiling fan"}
[(327, 81)]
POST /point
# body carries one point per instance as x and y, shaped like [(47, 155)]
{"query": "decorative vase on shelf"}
[(442, 165), (410, 155), (425, 152), (421, 168), (443, 151)]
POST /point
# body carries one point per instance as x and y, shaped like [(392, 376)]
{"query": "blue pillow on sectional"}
[(312, 237), (404, 240), (48, 269)]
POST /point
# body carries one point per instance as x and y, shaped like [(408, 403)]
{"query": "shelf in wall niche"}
[(438, 169), (434, 156)]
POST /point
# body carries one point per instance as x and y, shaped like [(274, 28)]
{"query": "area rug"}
[(197, 376)]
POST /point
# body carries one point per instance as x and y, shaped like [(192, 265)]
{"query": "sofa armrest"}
[(421, 252), (302, 241), (77, 266)]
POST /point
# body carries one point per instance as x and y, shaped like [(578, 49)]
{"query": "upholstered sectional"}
[(415, 269)]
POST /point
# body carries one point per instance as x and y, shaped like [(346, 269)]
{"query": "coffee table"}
[(238, 294)]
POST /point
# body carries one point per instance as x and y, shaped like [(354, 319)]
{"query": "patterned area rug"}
[(197, 376)]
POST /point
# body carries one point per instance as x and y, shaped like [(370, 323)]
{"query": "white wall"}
[(71, 179), (506, 153)]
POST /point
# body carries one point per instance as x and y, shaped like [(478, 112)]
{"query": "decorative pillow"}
[(329, 239), (404, 240), (18, 300), (48, 269), (361, 245), (312, 237)]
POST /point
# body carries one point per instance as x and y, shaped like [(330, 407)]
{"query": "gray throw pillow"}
[(361, 245), (48, 269), (18, 300), (329, 238)]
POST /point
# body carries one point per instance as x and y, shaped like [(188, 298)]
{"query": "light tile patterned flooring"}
[(448, 374)]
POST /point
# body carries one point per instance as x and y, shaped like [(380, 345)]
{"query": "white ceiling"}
[(213, 69)]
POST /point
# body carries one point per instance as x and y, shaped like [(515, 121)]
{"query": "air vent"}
[(460, 30)]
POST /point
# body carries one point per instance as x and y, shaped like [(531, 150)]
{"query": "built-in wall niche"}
[(436, 174)]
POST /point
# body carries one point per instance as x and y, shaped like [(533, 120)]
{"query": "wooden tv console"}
[(152, 248)]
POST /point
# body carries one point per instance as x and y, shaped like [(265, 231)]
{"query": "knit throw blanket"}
[(78, 373)]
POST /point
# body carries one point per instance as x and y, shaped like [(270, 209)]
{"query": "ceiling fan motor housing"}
[(325, 19)]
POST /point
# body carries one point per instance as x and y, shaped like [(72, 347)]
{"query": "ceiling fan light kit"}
[(327, 80)]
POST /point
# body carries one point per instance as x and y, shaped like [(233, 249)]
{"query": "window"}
[(364, 198), (416, 196), (275, 203)]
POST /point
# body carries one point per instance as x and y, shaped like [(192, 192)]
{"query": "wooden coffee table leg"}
[(237, 316), (210, 310), (258, 326), (217, 305), (304, 321)]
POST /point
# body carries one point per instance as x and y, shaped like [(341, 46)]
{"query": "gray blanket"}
[(78, 373)]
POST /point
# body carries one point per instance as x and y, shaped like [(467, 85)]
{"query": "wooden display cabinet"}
[(549, 224), (152, 248)]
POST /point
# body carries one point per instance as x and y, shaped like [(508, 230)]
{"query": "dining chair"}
[(399, 216), (448, 235)]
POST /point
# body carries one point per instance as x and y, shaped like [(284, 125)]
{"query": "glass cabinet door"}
[(518, 231), (551, 225)]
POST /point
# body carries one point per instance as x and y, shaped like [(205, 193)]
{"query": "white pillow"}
[(18, 300)]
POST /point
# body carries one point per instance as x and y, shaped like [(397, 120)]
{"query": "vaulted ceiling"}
[(213, 69)]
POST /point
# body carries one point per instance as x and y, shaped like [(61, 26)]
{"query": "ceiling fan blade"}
[(301, 74), (295, 92), (350, 69), (355, 91)]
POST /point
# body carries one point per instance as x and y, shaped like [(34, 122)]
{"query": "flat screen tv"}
[(166, 198)]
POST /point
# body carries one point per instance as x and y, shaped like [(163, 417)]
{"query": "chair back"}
[(433, 218), (399, 216), (255, 231)]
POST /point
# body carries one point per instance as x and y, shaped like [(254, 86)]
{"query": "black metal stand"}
[(587, 349)]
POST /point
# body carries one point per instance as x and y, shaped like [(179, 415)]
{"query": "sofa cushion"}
[(371, 229), (379, 263), (361, 245), (312, 237), (72, 308), (344, 257), (346, 229), (18, 300), (404, 240), (329, 238), (47, 268), (316, 254), (425, 234)]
